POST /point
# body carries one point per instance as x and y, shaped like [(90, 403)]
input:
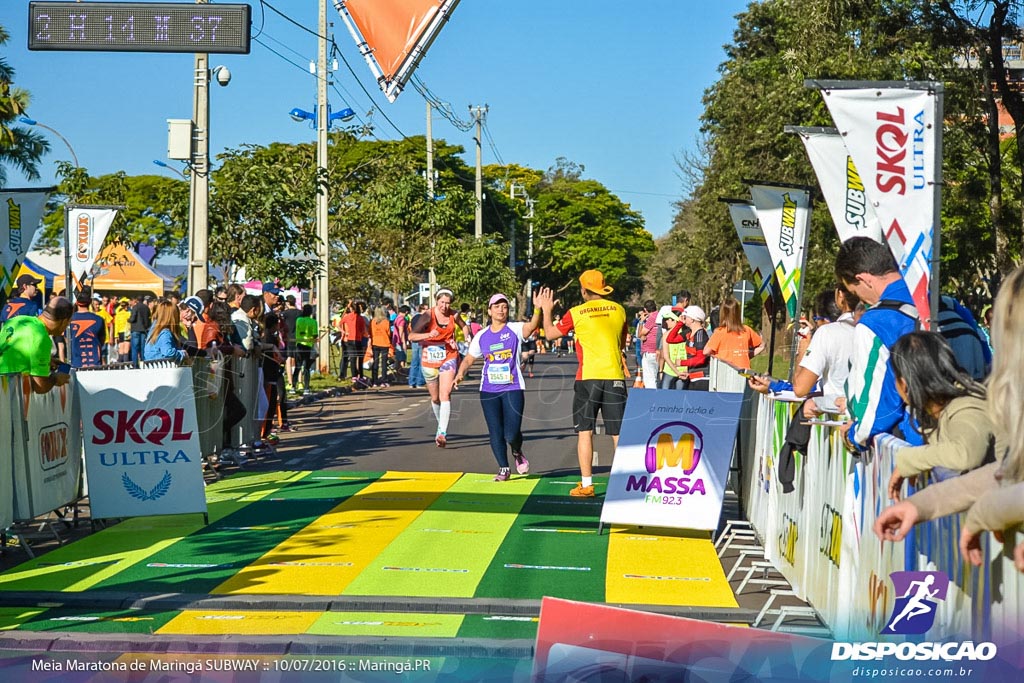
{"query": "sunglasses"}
[(222, 298)]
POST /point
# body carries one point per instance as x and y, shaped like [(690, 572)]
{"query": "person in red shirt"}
[(353, 331)]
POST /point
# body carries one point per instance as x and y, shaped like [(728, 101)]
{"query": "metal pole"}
[(936, 289), (67, 253), (432, 276), (800, 288), (478, 115), (323, 299), (199, 181)]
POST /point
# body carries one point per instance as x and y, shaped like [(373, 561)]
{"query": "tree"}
[(20, 147), (474, 268), (261, 213), (579, 225)]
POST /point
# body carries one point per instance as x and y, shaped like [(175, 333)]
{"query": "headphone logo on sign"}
[(674, 444)]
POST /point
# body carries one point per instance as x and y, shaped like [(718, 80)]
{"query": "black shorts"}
[(592, 395), (291, 350)]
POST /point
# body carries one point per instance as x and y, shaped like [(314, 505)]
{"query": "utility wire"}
[(264, 3), (341, 54), (304, 69)]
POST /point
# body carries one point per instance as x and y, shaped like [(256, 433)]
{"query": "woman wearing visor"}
[(502, 390)]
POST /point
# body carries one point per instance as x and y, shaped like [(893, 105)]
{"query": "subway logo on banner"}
[(154, 426), (83, 234), (894, 143), (675, 445), (787, 237), (53, 446), (856, 201)]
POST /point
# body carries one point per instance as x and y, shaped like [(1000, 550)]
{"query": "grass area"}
[(780, 368)]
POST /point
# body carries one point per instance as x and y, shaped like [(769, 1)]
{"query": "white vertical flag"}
[(87, 228), (784, 212), (748, 229), (20, 213), (891, 135), (841, 185)]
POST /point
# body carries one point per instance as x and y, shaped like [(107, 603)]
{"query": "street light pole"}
[(323, 309), (199, 180), (479, 114), (32, 122)]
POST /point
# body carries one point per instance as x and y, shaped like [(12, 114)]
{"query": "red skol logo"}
[(891, 138), (122, 426), (53, 446)]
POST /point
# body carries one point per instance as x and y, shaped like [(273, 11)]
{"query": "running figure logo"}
[(914, 612)]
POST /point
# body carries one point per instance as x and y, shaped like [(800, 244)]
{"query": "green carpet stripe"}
[(387, 624), (552, 548), (203, 560), (446, 550), (98, 621), (95, 558), (14, 617), (500, 626)]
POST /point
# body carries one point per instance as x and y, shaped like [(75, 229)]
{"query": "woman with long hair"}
[(734, 342), (993, 494), (949, 406), (164, 339)]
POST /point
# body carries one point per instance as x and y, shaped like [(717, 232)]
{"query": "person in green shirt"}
[(306, 334), (25, 345)]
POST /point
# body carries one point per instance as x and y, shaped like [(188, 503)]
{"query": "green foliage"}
[(474, 269), (580, 225), (20, 146)]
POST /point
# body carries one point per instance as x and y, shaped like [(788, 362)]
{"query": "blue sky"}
[(614, 86)]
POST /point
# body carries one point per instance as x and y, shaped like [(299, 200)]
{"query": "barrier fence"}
[(41, 449), (820, 537)]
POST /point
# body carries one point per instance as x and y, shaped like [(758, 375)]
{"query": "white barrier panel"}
[(246, 377), (10, 412), (672, 459), (142, 443), (837, 563), (724, 378), (47, 477)]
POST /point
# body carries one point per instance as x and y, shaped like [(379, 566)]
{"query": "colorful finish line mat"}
[(389, 534)]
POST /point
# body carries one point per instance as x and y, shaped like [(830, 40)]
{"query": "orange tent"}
[(119, 269)]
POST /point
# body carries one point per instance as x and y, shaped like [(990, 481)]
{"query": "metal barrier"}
[(245, 375), (12, 440), (820, 538)]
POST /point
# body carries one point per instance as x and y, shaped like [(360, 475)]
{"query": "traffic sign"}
[(744, 290), (139, 27)]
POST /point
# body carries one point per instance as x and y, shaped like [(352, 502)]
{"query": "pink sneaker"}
[(502, 475), (522, 464)]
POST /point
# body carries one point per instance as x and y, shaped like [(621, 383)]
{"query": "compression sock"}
[(587, 481), (445, 414), (436, 407)]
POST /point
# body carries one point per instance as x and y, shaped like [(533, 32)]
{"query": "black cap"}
[(26, 279)]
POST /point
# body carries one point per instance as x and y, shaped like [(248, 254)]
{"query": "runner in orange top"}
[(440, 358)]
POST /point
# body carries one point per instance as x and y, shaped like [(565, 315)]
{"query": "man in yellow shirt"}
[(121, 316), (108, 323), (600, 330)]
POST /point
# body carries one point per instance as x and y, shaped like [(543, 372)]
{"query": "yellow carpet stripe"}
[(446, 550), (327, 555), (244, 622), (133, 540), (665, 570)]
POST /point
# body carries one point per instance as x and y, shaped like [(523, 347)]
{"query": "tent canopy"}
[(118, 269)]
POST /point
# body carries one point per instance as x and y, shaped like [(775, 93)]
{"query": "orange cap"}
[(593, 280)]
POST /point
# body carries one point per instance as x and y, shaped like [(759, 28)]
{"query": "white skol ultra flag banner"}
[(784, 212), (891, 136), (87, 227), (672, 460), (20, 213), (852, 213), (142, 452), (744, 218)]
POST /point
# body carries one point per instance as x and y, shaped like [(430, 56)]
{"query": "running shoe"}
[(582, 491), (503, 474), (531, 374), (441, 440), (286, 428), (522, 464), (273, 439)]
